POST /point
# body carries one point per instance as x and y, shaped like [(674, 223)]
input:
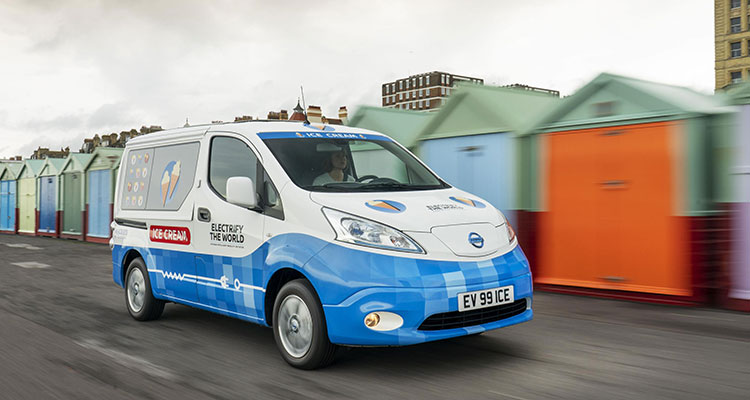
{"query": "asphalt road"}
[(65, 334)]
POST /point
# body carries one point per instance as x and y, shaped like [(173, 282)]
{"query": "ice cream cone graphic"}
[(169, 180), (165, 186), (174, 179)]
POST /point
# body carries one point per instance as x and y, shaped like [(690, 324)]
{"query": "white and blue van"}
[(330, 235)]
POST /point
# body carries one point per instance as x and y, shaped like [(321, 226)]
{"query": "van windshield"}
[(368, 163)]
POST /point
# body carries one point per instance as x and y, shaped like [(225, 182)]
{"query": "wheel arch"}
[(129, 256), (278, 279)]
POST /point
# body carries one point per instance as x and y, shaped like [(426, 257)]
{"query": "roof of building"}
[(77, 161), (629, 99), (12, 169), (738, 93), (298, 114), (479, 109), (52, 166), (298, 108), (404, 126), (33, 166), (112, 153)]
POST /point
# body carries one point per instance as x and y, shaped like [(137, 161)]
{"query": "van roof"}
[(246, 127)]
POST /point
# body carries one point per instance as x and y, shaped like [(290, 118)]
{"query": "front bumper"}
[(346, 320)]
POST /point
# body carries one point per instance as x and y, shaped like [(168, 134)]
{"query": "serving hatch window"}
[(349, 163)]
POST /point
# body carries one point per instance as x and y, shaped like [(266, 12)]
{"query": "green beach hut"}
[(27, 200), (73, 195), (402, 125)]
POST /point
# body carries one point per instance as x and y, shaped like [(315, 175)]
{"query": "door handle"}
[(614, 279), (204, 215), (614, 184)]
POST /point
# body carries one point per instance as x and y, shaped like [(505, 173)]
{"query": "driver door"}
[(229, 276)]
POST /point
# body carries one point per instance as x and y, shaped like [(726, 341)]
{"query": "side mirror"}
[(241, 192)]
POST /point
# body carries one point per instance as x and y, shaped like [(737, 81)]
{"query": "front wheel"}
[(141, 303), (300, 327)]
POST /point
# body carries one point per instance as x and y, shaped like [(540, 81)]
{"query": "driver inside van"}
[(334, 165)]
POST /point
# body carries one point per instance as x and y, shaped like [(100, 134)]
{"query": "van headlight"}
[(357, 230), (508, 227)]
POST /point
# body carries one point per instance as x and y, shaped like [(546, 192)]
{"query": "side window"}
[(158, 178), (230, 157), (271, 201)]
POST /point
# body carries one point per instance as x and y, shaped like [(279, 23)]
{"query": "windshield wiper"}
[(336, 186), (397, 185)]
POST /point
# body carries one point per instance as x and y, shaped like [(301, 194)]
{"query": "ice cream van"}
[(330, 235)]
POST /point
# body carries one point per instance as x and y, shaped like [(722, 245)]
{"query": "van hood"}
[(413, 211)]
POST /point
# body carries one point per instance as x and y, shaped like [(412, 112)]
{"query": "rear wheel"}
[(140, 300), (300, 327)]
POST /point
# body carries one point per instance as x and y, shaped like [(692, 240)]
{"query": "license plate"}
[(485, 298)]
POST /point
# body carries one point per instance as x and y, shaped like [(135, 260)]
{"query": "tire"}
[(299, 327), (139, 299)]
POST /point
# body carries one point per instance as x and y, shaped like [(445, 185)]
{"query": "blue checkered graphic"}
[(349, 282)]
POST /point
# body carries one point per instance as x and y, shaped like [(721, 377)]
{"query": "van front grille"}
[(457, 319)]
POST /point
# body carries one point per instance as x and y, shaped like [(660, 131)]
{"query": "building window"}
[(420, 81), (736, 76), (400, 85), (399, 95), (735, 3), (427, 78), (736, 49), (734, 25)]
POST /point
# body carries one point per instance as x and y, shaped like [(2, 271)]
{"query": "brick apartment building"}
[(423, 92), (732, 41)]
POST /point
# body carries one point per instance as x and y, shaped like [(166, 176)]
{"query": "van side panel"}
[(241, 290)]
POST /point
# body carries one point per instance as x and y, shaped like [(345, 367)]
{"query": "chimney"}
[(343, 115), (314, 115)]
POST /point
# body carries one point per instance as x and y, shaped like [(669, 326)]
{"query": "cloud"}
[(80, 67)]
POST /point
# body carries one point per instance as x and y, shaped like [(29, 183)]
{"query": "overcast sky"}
[(71, 69)]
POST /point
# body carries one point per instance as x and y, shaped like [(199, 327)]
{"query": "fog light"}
[(372, 320), (383, 321)]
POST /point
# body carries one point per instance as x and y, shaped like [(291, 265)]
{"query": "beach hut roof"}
[(52, 166), (10, 171), (111, 153), (76, 161), (612, 98), (31, 167), (404, 126), (478, 109), (738, 93)]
